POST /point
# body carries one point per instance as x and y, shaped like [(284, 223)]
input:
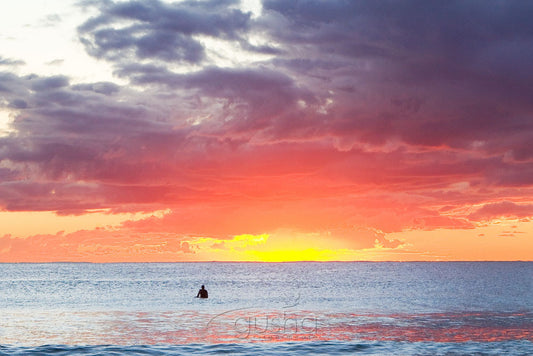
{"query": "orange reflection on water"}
[(302, 326), (252, 325), (444, 327)]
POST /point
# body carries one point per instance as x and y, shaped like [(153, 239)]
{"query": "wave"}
[(521, 347)]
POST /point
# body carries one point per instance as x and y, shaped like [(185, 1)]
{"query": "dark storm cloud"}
[(467, 65), (66, 133), (95, 145), (43, 196), (256, 95), (157, 30), (253, 97), (400, 29), (413, 104)]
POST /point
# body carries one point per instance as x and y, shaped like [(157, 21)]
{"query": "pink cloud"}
[(504, 209), (98, 245)]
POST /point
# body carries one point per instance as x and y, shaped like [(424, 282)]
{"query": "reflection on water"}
[(375, 303), (247, 324)]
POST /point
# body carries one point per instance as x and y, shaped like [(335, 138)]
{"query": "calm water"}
[(267, 308)]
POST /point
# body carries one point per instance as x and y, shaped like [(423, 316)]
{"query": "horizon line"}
[(270, 262)]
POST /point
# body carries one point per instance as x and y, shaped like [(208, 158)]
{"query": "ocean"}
[(307, 308)]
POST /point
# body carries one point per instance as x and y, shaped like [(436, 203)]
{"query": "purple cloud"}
[(389, 111), (159, 30)]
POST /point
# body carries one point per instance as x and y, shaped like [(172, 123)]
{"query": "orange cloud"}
[(99, 245)]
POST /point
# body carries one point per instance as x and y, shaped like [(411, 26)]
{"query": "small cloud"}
[(106, 88), (49, 83), (55, 62), (506, 234), (245, 240), (50, 20), (509, 233), (386, 243), (219, 246), (10, 62), (502, 209)]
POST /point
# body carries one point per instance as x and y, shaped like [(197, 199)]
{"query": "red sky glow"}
[(267, 131)]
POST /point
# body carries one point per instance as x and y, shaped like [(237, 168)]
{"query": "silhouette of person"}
[(202, 293)]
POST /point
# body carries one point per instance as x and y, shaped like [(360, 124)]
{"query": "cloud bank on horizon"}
[(346, 120)]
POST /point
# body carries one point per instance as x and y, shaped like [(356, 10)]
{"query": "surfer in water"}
[(202, 293)]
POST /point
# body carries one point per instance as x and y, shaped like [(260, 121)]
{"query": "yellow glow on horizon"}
[(497, 241), (293, 255), (100, 237), (279, 247)]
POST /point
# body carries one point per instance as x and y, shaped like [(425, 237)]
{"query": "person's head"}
[(203, 287)]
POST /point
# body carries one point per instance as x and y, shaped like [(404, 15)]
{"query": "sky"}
[(272, 130)]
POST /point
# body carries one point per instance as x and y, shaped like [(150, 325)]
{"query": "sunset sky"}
[(266, 131)]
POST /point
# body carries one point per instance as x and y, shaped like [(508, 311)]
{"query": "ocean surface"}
[(308, 308)]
